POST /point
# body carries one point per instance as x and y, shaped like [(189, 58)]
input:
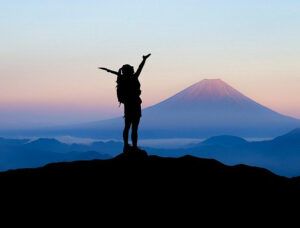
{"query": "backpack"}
[(128, 89)]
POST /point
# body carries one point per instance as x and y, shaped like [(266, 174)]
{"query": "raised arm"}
[(139, 70), (109, 71)]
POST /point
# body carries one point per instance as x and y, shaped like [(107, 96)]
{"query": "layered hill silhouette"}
[(280, 155), (23, 153), (209, 107)]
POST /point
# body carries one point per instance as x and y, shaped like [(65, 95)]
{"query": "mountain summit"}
[(206, 91), (207, 108)]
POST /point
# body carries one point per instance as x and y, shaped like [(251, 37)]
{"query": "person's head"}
[(127, 70)]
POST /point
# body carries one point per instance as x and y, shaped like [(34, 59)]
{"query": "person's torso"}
[(133, 90)]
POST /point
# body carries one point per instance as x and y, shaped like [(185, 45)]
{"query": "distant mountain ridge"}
[(209, 107), (23, 153), (280, 155), (293, 138), (224, 140)]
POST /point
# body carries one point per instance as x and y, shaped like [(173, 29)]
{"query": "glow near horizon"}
[(50, 51)]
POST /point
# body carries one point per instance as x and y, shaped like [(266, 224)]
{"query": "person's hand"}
[(146, 56), (103, 68)]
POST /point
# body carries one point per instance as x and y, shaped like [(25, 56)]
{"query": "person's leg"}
[(134, 133), (126, 131)]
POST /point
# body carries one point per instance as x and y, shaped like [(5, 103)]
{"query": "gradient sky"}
[(50, 51)]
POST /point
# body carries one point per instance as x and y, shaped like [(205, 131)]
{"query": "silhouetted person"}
[(128, 92)]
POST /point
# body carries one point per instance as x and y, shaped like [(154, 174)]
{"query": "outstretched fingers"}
[(146, 56)]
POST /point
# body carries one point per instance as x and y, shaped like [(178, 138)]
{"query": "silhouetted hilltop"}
[(182, 177), (291, 138), (224, 140)]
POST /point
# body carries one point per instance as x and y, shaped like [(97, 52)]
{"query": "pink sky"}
[(51, 50)]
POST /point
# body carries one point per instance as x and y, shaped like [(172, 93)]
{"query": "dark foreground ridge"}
[(150, 188), (141, 174)]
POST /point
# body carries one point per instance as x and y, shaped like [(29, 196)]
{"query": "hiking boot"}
[(139, 151), (127, 148)]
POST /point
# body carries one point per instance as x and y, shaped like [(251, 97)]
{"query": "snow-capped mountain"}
[(208, 108), (212, 107)]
